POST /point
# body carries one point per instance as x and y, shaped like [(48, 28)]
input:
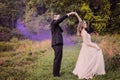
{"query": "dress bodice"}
[(85, 36)]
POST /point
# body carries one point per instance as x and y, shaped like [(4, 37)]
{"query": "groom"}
[(57, 42)]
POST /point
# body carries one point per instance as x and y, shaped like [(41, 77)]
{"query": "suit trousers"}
[(57, 59)]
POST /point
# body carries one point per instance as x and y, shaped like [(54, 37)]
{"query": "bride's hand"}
[(76, 13), (71, 13), (98, 49)]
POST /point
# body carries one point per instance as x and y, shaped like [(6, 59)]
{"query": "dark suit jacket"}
[(56, 30)]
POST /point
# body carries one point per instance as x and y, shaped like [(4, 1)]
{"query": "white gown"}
[(90, 61)]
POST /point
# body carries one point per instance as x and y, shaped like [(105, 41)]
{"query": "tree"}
[(10, 11), (114, 25), (97, 12)]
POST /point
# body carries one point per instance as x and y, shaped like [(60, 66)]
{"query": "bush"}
[(113, 62), (5, 33), (4, 46)]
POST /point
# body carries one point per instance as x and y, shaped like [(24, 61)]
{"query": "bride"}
[(90, 61)]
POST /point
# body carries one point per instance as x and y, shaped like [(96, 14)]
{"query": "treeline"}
[(103, 16)]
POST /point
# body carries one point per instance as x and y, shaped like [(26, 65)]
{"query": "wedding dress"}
[(90, 61)]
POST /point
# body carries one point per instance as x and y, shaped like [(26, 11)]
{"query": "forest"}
[(103, 16)]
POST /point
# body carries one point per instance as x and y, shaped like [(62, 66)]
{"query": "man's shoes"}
[(57, 75)]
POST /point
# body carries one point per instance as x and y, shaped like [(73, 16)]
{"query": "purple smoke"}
[(43, 34), (24, 30)]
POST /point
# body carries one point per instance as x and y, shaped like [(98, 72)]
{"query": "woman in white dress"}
[(90, 61)]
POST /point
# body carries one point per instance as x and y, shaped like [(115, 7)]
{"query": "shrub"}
[(4, 46)]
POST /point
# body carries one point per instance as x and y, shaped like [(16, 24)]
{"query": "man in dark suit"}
[(57, 42)]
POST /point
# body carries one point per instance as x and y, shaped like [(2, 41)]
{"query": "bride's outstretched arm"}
[(79, 19)]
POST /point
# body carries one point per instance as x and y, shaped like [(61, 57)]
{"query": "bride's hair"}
[(80, 28)]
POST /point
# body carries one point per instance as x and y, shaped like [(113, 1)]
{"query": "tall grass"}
[(110, 45)]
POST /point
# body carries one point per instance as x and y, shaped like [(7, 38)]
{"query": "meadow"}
[(33, 60)]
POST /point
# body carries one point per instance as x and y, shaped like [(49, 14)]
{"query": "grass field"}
[(43, 68), (28, 64)]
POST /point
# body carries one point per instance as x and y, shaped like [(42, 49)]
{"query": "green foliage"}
[(4, 34), (103, 20), (7, 33), (114, 62), (10, 11), (114, 25), (30, 10), (98, 20)]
